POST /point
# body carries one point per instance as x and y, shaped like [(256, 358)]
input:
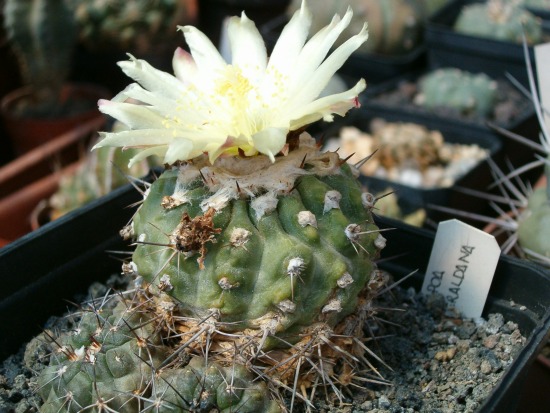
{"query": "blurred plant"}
[(43, 34), (130, 25), (500, 20)]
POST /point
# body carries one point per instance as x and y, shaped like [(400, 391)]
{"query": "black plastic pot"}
[(524, 124), (411, 198), (62, 258), (449, 48)]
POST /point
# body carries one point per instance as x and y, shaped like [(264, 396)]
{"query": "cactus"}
[(101, 362), (458, 90), (43, 34), (500, 20), (203, 386), (534, 224), (307, 236), (395, 26), (101, 172), (255, 250), (534, 4), (130, 24)]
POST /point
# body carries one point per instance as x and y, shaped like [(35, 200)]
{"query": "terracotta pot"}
[(27, 133), (42, 160), (16, 209), (34, 176)]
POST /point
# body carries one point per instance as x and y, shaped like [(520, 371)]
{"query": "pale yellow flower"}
[(248, 105)]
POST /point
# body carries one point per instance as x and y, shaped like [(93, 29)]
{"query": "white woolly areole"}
[(234, 177), (368, 200), (295, 266), (129, 269), (345, 280), (306, 218), (239, 237), (264, 204), (380, 242), (333, 305), (332, 200), (287, 306), (165, 282), (352, 231), (141, 237)]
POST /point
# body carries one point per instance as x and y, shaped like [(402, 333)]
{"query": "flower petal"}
[(270, 141), (320, 78), (184, 65), (315, 51), (135, 138), (324, 108), (179, 148), (150, 78), (132, 115), (290, 42), (205, 54), (141, 155), (247, 47)]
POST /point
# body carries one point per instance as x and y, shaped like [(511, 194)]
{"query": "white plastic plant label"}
[(542, 58), (462, 266)]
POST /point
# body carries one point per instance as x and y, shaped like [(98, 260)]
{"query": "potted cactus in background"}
[(43, 35), (107, 30), (255, 250)]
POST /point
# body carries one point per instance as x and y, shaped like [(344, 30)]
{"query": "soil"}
[(437, 361)]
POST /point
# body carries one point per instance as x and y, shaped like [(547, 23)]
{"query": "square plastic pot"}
[(39, 271), (524, 124), (447, 48), (412, 198)]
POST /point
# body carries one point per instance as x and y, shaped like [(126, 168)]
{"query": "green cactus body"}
[(101, 362), (534, 223), (499, 20), (205, 386), (43, 34), (537, 4), (278, 259), (395, 26), (464, 92)]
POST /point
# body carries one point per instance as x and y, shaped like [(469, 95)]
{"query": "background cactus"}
[(43, 34), (395, 26), (101, 172), (457, 90), (130, 25), (500, 20)]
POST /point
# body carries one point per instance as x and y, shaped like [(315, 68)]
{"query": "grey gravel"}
[(440, 363)]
